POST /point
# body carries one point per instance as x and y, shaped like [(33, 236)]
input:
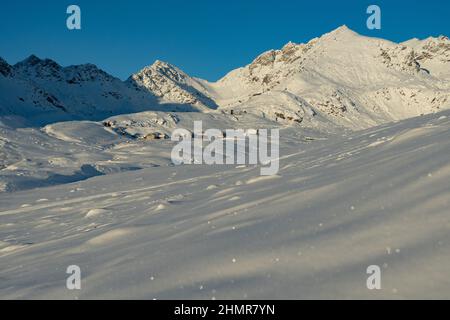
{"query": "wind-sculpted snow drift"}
[(363, 177), (375, 197)]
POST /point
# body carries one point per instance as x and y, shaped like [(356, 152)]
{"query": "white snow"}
[(363, 180), (341, 78), (310, 233)]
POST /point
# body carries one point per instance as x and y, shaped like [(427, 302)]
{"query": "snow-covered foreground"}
[(375, 197)]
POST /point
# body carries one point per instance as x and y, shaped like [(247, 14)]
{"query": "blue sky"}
[(205, 38)]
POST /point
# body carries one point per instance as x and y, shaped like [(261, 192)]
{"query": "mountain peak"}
[(87, 72), (342, 28), (160, 67), (159, 64), (31, 60), (341, 31), (86, 67), (289, 45), (161, 70)]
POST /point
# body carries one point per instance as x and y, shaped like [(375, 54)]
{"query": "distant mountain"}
[(341, 78), (173, 86), (43, 91), (433, 54), (348, 79)]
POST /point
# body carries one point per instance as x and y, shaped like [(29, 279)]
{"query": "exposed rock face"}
[(433, 54), (5, 68)]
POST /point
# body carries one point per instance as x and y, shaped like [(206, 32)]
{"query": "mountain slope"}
[(172, 85), (349, 79), (433, 54), (376, 197), (43, 92)]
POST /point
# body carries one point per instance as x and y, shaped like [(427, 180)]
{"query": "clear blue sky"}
[(205, 38)]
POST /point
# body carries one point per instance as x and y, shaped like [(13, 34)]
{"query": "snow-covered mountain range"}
[(106, 196), (341, 78), (43, 92)]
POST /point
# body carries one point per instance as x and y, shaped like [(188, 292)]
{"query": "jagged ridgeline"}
[(341, 78)]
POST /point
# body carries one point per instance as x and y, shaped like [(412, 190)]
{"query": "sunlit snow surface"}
[(340, 202)]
